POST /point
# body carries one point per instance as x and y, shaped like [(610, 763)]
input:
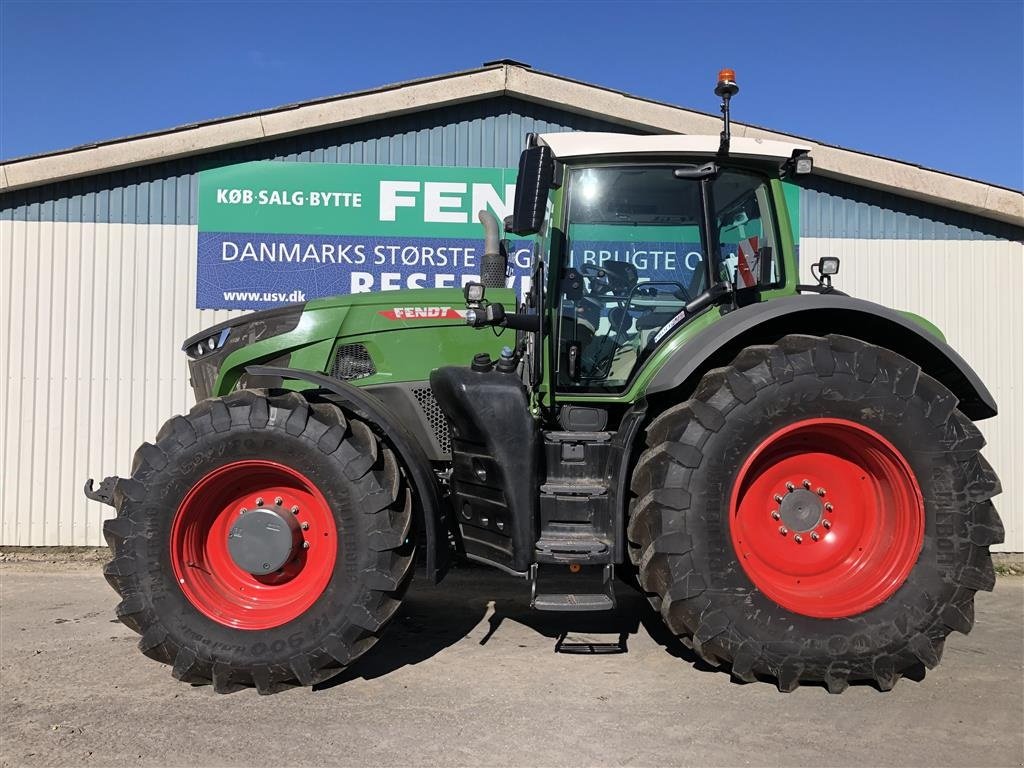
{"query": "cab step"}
[(572, 547), (577, 599), (571, 602)]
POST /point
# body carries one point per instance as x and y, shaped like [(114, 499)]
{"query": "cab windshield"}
[(636, 254)]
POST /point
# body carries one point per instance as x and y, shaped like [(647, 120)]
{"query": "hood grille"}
[(438, 423), (352, 361)]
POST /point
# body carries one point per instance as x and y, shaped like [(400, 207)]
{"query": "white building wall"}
[(92, 317), (973, 290)]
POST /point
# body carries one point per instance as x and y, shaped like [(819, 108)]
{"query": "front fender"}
[(817, 315), (367, 407)]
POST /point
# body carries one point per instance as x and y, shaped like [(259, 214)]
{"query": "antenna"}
[(726, 88)]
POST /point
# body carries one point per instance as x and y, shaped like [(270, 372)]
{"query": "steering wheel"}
[(616, 277), (597, 278)]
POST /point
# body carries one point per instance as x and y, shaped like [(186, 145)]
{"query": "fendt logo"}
[(423, 313)]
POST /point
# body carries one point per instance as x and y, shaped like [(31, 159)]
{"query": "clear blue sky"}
[(934, 83)]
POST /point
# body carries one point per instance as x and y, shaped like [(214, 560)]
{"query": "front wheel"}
[(818, 511), (263, 540)]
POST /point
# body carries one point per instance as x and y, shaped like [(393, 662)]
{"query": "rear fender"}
[(367, 407), (818, 315)]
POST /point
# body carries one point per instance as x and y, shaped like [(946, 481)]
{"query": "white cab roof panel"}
[(586, 144)]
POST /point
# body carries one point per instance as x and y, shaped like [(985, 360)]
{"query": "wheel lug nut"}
[(821, 491), (790, 487), (295, 509), (305, 545), (305, 526), (259, 502), (242, 511), (828, 506), (279, 501), (826, 524), (798, 538), (807, 484), (815, 536), (776, 515), (783, 530), (778, 499)]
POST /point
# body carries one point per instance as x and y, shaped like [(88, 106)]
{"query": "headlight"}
[(208, 349), (247, 329), (208, 343)]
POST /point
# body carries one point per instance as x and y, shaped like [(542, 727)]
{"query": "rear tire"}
[(707, 554), (211, 620)]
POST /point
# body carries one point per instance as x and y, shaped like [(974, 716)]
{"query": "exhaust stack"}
[(494, 264)]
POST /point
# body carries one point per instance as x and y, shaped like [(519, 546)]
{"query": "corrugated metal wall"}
[(963, 273), (98, 290)]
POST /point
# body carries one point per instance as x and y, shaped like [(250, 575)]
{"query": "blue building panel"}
[(836, 209), (485, 133)]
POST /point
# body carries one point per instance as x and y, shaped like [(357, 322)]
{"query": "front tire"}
[(818, 511), (330, 501)]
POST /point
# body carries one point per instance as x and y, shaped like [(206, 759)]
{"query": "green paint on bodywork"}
[(926, 324), (791, 196)]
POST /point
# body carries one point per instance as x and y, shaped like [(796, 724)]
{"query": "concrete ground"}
[(462, 680)]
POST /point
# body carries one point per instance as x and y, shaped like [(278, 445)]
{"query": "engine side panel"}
[(495, 451)]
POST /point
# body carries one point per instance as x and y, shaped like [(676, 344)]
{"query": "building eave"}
[(501, 79)]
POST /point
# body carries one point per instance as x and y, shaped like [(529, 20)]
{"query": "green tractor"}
[(792, 476)]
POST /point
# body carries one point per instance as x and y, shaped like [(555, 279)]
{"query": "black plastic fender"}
[(818, 315), (367, 407)]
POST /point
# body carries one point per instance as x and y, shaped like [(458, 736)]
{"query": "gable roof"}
[(593, 144), (502, 78)]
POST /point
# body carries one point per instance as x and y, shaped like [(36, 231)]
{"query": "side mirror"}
[(536, 177)]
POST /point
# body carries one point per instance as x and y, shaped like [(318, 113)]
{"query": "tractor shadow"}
[(433, 618)]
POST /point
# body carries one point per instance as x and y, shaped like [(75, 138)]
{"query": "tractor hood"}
[(394, 336)]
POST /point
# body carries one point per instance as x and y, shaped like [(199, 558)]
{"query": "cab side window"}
[(746, 233)]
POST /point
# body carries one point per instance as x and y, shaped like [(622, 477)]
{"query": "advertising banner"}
[(272, 233)]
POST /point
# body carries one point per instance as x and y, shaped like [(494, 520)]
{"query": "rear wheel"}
[(262, 540), (818, 511)]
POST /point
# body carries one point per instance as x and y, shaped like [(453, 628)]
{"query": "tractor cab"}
[(643, 227)]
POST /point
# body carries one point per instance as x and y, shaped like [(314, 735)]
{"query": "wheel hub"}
[(801, 510), (262, 540), (827, 517), (253, 544)]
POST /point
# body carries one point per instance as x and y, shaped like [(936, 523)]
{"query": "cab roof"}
[(589, 144)]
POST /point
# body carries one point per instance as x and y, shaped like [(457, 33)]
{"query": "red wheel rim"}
[(854, 545), (205, 569)]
